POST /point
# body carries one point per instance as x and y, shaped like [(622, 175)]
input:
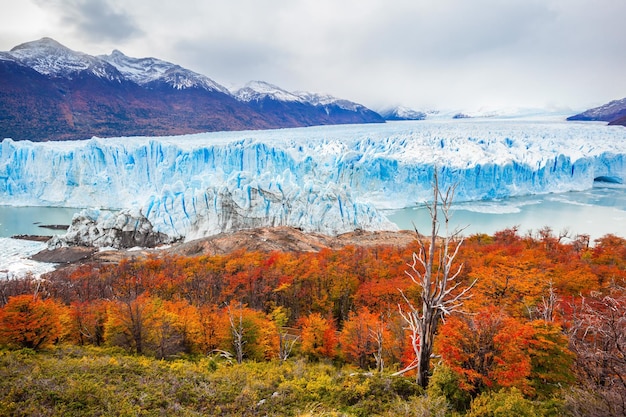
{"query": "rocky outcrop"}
[(120, 230)]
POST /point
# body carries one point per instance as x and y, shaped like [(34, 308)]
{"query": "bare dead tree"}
[(377, 335), (286, 343), (581, 242), (545, 309), (237, 330), (549, 304), (439, 292), (597, 335)]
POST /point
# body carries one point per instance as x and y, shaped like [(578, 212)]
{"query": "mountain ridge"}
[(613, 112), (50, 92)]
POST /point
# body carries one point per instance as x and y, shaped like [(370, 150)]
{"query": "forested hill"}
[(542, 332)]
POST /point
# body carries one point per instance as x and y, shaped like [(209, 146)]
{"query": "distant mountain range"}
[(613, 112), (50, 92)]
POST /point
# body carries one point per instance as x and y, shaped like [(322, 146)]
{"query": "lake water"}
[(596, 212), (15, 253), (29, 220)]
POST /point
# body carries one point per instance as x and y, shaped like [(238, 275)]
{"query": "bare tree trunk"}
[(236, 327), (286, 344), (135, 325), (439, 292), (377, 335)]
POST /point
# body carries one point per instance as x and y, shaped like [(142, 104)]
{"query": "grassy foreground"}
[(94, 381), (88, 381)]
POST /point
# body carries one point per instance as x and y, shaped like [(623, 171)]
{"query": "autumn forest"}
[(540, 330)]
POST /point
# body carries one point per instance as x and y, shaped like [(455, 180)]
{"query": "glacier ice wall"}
[(329, 179)]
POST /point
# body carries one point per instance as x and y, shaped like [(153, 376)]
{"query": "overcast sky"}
[(425, 54)]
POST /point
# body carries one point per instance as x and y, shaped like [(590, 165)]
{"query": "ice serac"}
[(329, 179)]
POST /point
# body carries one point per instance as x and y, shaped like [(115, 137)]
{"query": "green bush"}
[(419, 406), (445, 383), (504, 403)]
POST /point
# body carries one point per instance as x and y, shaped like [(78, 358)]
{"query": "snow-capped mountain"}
[(609, 112), (293, 109), (328, 179), (402, 113), (326, 100), (260, 90), (406, 113), (151, 71), (50, 92), (50, 58)]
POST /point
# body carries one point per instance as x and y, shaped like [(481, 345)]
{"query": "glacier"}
[(328, 179)]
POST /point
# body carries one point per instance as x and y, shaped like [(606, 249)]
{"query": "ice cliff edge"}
[(324, 179)]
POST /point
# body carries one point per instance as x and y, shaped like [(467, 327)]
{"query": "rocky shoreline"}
[(54, 226), (35, 238), (68, 255), (266, 239)]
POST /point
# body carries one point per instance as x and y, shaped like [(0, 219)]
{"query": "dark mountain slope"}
[(49, 92), (620, 121), (610, 112)]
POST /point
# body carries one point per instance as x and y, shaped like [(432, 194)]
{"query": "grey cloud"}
[(231, 61), (452, 31), (96, 20), (406, 51)]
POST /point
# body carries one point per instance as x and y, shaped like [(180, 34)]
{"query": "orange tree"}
[(29, 322), (492, 350), (87, 322), (363, 339), (486, 350), (318, 336)]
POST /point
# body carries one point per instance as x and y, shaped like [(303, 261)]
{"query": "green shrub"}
[(504, 403), (418, 406), (445, 383)]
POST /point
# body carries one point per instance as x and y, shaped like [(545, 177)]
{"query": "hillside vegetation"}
[(319, 333)]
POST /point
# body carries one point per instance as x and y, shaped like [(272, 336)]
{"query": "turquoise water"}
[(28, 220), (596, 212)]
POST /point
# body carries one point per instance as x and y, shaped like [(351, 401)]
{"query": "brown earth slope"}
[(268, 239)]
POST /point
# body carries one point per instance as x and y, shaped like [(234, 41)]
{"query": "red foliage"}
[(140, 302), (29, 322), (487, 350)]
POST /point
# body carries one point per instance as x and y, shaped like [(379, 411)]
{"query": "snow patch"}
[(14, 262)]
